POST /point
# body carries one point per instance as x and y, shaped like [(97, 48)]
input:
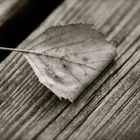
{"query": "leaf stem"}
[(39, 53), (19, 50)]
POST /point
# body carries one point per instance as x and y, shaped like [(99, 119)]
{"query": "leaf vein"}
[(87, 51)]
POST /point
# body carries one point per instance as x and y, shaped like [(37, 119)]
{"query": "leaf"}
[(69, 58)]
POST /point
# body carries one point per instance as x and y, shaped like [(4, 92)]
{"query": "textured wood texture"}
[(108, 109)]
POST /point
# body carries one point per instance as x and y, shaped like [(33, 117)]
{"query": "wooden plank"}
[(110, 105)]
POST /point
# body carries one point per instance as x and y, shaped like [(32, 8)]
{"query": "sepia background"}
[(109, 109)]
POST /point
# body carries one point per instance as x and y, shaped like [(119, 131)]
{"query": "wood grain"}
[(108, 109)]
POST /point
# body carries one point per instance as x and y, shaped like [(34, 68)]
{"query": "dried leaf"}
[(69, 58)]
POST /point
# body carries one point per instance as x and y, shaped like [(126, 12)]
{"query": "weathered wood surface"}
[(108, 109)]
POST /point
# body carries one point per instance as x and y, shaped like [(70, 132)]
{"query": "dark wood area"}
[(23, 20)]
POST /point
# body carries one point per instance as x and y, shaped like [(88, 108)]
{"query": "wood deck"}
[(109, 109)]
